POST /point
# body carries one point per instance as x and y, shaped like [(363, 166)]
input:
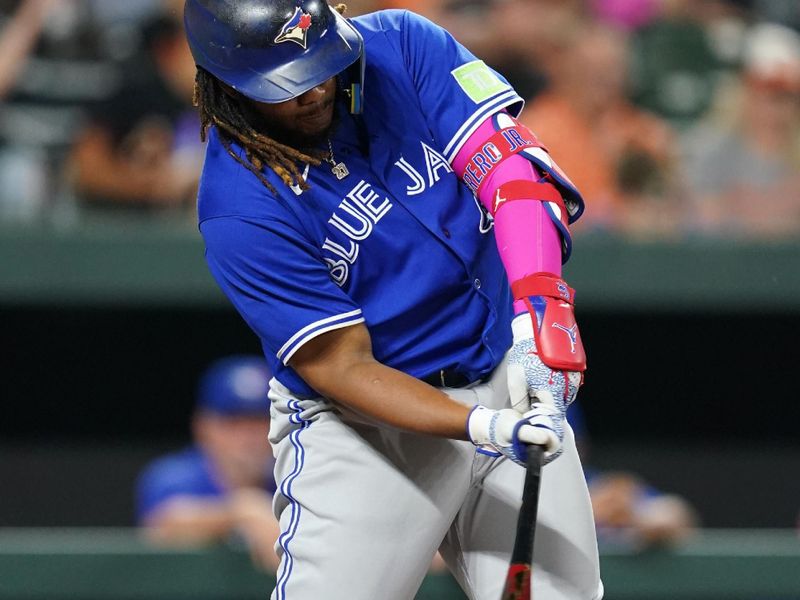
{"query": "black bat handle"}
[(518, 580), (526, 524)]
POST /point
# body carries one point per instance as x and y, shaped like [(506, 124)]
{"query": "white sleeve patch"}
[(478, 81)]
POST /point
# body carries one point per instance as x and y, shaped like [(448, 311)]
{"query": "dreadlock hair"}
[(220, 109)]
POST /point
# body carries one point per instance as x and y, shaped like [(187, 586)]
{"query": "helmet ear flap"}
[(273, 50)]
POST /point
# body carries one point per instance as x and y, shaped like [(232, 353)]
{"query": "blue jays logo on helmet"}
[(295, 29)]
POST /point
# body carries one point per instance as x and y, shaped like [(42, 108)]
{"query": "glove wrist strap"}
[(543, 284)]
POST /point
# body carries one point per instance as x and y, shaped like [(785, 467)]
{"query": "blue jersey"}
[(186, 473), (400, 244)]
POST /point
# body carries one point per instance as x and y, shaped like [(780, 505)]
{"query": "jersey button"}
[(477, 284), (446, 233)]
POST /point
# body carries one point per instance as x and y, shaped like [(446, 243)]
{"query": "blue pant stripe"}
[(286, 490)]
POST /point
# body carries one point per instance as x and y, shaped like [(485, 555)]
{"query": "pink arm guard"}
[(527, 239)]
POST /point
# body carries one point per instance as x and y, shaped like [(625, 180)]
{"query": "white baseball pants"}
[(363, 509)]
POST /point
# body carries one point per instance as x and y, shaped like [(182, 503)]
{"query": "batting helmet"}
[(273, 50)]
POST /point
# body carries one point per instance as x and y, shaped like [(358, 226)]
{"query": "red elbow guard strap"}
[(521, 189), (558, 340)]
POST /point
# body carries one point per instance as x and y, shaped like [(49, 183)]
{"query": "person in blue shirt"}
[(373, 209), (221, 486)]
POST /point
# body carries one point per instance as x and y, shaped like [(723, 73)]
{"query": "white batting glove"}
[(533, 386), (508, 433), (529, 379)]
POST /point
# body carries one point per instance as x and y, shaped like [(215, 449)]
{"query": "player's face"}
[(302, 121)]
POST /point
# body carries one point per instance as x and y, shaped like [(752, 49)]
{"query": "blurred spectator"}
[(360, 7), (745, 174), (627, 14), (112, 12), (468, 21), (785, 12), (620, 157), (19, 36), (512, 36), (122, 23), (526, 36), (44, 96), (222, 485), (725, 23), (626, 508), (674, 66), (142, 148), (481, 28)]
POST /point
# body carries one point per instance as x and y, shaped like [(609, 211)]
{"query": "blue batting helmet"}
[(273, 50), (235, 385)]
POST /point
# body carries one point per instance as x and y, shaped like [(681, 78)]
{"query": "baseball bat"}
[(518, 580)]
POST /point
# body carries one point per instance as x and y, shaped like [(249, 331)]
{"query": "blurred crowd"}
[(675, 118)]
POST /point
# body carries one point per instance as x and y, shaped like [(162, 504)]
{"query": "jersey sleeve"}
[(457, 90), (277, 280)]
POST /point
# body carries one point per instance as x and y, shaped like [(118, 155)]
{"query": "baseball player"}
[(373, 209)]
